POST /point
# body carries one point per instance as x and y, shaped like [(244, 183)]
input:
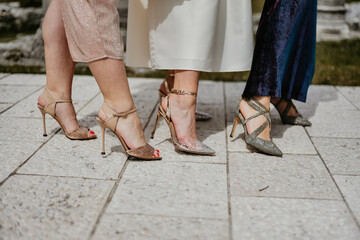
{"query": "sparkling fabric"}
[(284, 57), (92, 29)]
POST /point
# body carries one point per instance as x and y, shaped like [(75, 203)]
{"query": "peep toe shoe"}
[(145, 152), (78, 134)]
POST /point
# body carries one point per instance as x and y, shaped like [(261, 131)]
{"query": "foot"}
[(183, 118), (67, 116), (253, 124), (129, 128), (281, 107), (288, 112)]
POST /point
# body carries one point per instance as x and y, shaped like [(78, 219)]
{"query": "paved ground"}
[(54, 188)]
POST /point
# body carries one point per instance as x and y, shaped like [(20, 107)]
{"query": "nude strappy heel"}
[(79, 134), (252, 139), (145, 152), (199, 116), (200, 148)]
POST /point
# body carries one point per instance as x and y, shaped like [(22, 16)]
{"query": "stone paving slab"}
[(3, 75), (284, 136), (324, 100), (28, 107), (271, 218), (12, 94), (4, 106), (341, 155), (64, 187), (25, 130), (144, 227), (342, 124), (41, 207), (350, 187), (63, 157), (24, 79), (13, 155), (292, 176), (172, 189), (352, 94)]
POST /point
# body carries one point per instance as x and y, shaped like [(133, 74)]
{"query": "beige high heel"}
[(200, 148), (199, 116), (78, 134), (145, 152)]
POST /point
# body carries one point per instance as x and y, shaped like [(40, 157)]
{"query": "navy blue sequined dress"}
[(284, 57)]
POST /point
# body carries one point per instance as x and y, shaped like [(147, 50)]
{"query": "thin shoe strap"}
[(124, 114), (168, 112), (287, 109), (113, 117), (182, 92), (166, 87), (51, 102)]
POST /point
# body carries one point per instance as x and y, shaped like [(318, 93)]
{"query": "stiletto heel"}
[(43, 113), (145, 152), (103, 128), (79, 134), (200, 147), (236, 121), (252, 139), (156, 123)]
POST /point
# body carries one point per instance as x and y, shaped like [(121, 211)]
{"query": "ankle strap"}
[(182, 92), (113, 116), (124, 114)]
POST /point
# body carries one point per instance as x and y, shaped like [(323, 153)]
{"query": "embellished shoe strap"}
[(177, 92), (182, 92)]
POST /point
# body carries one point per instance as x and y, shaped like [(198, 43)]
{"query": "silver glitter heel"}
[(252, 139), (298, 119), (199, 147)]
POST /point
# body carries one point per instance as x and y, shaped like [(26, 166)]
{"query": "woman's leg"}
[(183, 107), (59, 65), (110, 75)]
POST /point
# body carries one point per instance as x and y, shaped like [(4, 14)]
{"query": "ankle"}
[(119, 106), (59, 93), (183, 102)]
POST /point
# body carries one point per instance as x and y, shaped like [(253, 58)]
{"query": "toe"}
[(91, 134)]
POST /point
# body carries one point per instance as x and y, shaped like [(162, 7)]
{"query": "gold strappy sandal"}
[(200, 148), (79, 134), (199, 116), (145, 152)]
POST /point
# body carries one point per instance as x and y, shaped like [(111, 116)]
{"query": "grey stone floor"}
[(54, 188)]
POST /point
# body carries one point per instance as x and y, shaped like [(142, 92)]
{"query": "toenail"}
[(92, 132)]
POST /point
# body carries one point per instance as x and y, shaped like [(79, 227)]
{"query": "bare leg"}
[(253, 124), (111, 77), (59, 65), (183, 107)]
